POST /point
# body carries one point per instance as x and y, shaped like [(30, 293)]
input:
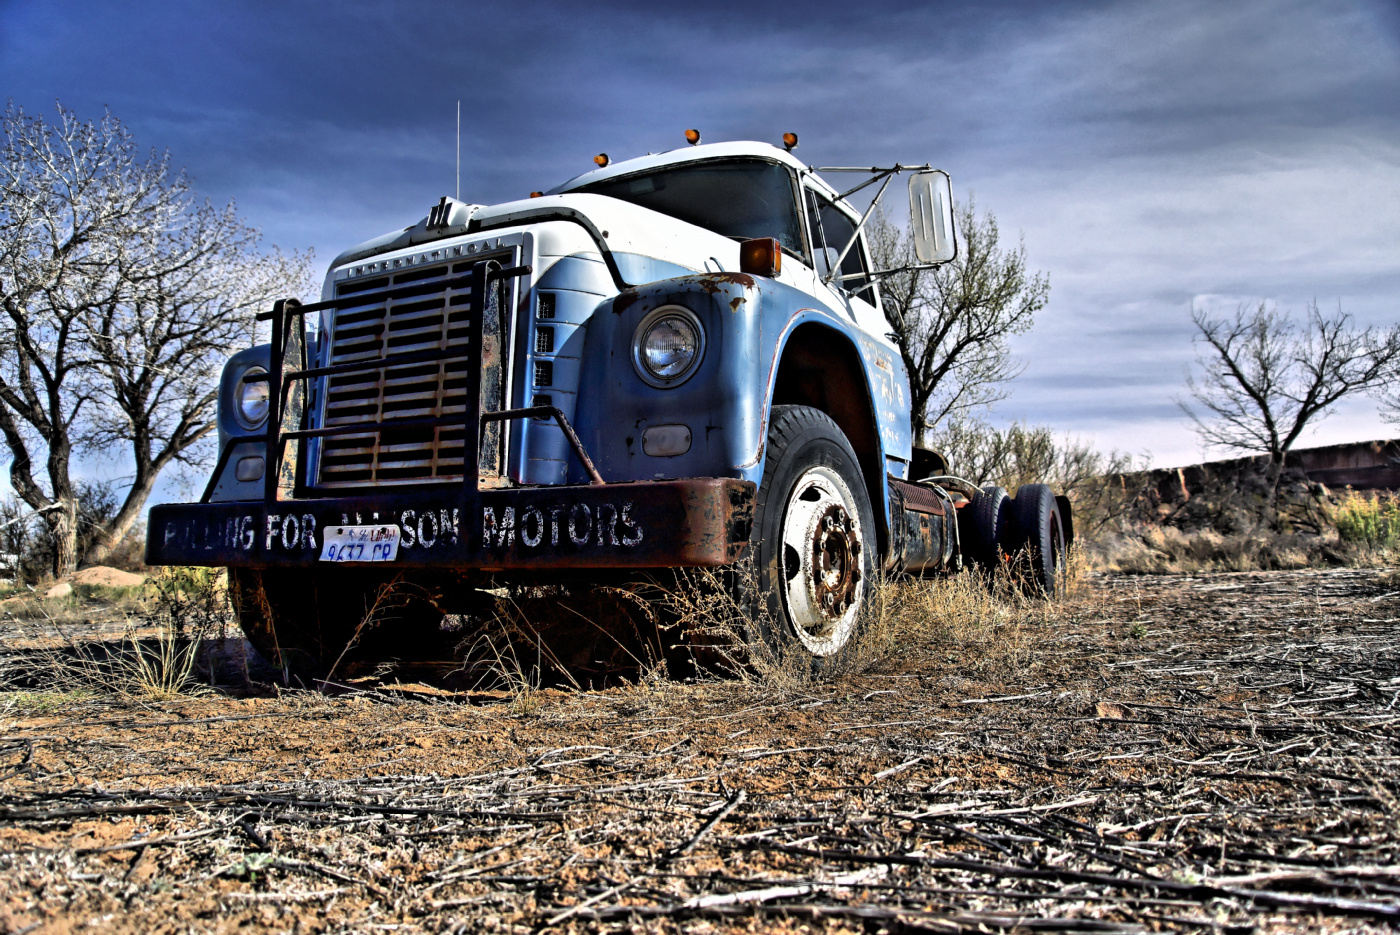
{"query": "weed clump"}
[(1370, 522), (154, 653)]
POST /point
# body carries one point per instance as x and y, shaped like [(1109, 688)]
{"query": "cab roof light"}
[(762, 256), (536, 194), (789, 141), (692, 137), (602, 160)]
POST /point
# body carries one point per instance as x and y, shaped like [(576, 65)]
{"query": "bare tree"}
[(1263, 378), (1387, 393), (119, 296), (952, 324)]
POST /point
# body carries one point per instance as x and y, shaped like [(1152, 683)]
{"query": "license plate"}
[(359, 543)]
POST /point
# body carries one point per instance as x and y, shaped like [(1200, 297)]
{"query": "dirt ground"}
[(1214, 753)]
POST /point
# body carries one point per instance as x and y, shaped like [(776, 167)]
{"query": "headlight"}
[(668, 346), (251, 399)]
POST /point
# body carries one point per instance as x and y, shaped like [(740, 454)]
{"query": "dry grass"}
[(1161, 550), (983, 624), (1230, 771), (1234, 525)]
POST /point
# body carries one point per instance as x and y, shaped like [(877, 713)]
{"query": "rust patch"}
[(711, 282), (738, 279), (735, 302)]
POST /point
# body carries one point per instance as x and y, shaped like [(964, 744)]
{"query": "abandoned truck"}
[(677, 360)]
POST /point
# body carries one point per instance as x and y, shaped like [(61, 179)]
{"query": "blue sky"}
[(1152, 155)]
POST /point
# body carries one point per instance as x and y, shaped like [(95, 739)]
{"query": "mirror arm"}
[(883, 173), (882, 274), (836, 266), (923, 168)]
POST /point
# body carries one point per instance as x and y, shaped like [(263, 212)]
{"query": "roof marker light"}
[(602, 160), (789, 141), (692, 137), (536, 194)]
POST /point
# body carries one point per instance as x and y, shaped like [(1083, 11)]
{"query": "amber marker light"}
[(692, 136), (536, 194), (602, 160), (789, 141), (762, 256)]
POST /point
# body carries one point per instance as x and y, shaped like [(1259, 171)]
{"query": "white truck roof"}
[(524, 208), (685, 154)]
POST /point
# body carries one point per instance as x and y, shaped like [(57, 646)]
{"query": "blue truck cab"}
[(676, 360)]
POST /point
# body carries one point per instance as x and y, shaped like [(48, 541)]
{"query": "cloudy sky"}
[(1154, 156)]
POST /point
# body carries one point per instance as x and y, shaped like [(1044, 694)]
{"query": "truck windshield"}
[(739, 198)]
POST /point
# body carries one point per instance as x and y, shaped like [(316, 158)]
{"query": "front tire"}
[(813, 536)]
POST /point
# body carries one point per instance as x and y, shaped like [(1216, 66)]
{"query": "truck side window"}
[(836, 228), (839, 230)]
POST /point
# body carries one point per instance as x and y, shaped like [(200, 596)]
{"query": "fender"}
[(890, 443)]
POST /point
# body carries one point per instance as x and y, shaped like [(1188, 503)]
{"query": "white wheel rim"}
[(821, 560)]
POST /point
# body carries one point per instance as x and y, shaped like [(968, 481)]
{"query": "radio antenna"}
[(459, 149)]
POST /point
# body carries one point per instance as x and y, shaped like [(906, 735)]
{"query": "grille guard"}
[(693, 522), (287, 388)]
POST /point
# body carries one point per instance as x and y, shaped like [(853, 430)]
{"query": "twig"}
[(737, 799)]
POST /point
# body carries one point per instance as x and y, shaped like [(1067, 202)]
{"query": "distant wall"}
[(1373, 465)]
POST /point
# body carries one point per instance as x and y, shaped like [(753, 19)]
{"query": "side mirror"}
[(931, 216)]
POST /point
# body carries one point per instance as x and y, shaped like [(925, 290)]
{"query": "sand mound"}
[(107, 577)]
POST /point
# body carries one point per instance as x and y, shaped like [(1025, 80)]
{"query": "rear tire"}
[(1040, 540), (984, 527)]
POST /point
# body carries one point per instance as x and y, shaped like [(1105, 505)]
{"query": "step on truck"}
[(674, 361)]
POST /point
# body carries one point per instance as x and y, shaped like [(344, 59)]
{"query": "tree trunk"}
[(63, 526), (1275, 475), (116, 530)]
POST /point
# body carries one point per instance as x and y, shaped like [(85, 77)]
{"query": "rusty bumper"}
[(695, 522)]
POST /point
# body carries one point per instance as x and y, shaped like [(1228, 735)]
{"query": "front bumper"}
[(690, 522)]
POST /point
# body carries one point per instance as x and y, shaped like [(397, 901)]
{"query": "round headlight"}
[(668, 346), (251, 399)]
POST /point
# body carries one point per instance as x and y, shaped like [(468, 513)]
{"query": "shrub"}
[(1097, 484), (1370, 521)]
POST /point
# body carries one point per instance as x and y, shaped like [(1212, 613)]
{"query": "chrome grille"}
[(381, 327)]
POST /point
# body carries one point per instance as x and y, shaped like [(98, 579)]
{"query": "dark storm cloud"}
[(1150, 153)]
